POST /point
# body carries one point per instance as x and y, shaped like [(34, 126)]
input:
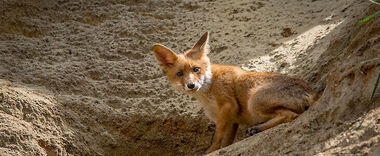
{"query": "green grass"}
[(341, 47)]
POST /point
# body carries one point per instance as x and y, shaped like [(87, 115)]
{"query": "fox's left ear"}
[(201, 48)]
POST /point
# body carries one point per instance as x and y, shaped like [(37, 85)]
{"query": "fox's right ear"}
[(164, 55)]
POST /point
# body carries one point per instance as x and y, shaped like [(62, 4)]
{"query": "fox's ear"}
[(201, 48), (164, 55)]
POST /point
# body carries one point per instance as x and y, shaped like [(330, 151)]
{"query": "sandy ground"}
[(79, 77)]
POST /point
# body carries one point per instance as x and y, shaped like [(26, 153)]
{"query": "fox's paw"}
[(252, 131)]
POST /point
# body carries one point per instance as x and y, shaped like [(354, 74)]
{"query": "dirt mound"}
[(79, 77), (31, 123)]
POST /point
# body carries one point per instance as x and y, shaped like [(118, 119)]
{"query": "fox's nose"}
[(190, 85)]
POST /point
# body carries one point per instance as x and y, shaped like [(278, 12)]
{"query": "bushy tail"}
[(313, 98)]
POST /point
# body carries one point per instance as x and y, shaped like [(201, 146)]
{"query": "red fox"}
[(230, 95)]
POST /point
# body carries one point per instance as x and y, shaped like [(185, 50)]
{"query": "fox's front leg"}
[(223, 126), (230, 135)]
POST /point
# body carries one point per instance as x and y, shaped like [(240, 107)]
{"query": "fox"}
[(232, 96)]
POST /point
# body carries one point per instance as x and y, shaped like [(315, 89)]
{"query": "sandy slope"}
[(80, 77)]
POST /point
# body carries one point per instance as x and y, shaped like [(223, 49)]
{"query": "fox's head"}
[(189, 71)]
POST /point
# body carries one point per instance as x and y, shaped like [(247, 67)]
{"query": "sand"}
[(79, 77)]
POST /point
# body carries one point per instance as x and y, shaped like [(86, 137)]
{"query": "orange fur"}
[(231, 96)]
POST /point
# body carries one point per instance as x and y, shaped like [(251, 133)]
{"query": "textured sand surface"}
[(79, 77)]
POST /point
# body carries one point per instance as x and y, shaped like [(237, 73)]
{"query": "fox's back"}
[(279, 82), (239, 82)]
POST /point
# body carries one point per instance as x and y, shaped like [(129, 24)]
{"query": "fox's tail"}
[(312, 99)]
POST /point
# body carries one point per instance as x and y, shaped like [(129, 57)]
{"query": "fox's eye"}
[(196, 69), (179, 74)]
